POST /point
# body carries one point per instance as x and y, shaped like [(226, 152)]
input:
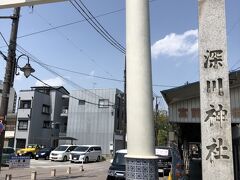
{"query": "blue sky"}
[(80, 48)]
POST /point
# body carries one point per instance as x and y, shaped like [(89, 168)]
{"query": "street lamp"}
[(27, 69)]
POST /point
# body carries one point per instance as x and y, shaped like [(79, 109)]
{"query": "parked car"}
[(43, 153), (86, 153), (168, 158), (6, 155), (30, 150), (165, 160), (117, 168), (61, 153)]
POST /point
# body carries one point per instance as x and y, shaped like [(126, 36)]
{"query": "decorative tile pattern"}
[(141, 169)]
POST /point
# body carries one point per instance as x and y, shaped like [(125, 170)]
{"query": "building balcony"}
[(24, 113)]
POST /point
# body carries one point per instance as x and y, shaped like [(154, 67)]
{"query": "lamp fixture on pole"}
[(27, 69)]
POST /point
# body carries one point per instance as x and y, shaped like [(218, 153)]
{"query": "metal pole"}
[(156, 122), (9, 74), (125, 105)]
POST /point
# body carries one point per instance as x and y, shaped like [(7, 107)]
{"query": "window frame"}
[(104, 104), (23, 126), (24, 102), (45, 126), (45, 109)]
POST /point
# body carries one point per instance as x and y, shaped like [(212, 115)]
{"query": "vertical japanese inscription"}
[(214, 92), (216, 115), (213, 59), (216, 150)]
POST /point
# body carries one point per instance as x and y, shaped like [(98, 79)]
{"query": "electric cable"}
[(102, 26), (76, 46), (65, 93), (67, 24), (36, 60), (4, 39), (101, 31), (72, 23)]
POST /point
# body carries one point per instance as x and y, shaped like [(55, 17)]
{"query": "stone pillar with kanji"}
[(217, 159)]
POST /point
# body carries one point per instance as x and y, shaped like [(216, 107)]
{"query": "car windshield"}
[(45, 149), (81, 148), (31, 146), (162, 152), (119, 159), (61, 148)]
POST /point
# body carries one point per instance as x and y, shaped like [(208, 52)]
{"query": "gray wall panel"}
[(90, 124)]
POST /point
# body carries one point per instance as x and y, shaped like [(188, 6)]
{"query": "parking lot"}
[(43, 168)]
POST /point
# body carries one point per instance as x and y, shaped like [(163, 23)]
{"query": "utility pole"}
[(156, 119), (125, 105), (9, 74)]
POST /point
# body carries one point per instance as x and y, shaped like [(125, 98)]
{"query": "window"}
[(25, 104), (22, 124), (103, 103), (81, 102), (45, 109), (20, 143), (46, 124), (97, 148)]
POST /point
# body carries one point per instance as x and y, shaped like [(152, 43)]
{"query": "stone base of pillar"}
[(141, 169)]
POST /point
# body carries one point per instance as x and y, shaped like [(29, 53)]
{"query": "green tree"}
[(162, 127)]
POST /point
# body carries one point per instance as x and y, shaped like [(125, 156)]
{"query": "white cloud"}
[(176, 44), (52, 82)]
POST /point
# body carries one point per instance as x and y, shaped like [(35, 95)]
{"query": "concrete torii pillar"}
[(141, 159)]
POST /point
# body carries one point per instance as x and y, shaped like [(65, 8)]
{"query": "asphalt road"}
[(43, 168)]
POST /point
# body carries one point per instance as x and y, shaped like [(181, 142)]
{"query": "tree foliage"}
[(162, 128)]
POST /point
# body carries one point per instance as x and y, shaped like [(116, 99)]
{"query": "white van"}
[(86, 153), (61, 153)]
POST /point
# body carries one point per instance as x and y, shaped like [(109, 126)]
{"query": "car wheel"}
[(65, 158), (86, 160), (47, 158), (98, 158), (36, 158), (110, 178), (72, 161)]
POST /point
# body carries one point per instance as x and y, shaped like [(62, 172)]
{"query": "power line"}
[(162, 85), (76, 46), (74, 22), (95, 24), (102, 26), (84, 74), (4, 39), (63, 92), (53, 72), (68, 24)]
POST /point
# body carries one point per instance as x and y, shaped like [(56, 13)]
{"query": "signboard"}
[(19, 3), (19, 162), (161, 152)]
